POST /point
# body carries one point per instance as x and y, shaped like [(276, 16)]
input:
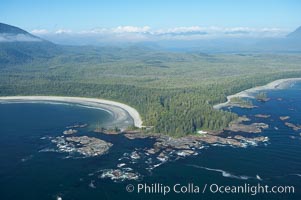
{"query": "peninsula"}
[(250, 93)]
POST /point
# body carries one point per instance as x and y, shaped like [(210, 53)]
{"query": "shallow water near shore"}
[(28, 172)]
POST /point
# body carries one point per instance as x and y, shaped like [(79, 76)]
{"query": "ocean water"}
[(29, 171)]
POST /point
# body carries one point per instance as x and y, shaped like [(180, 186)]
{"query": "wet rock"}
[(119, 175), (90, 146), (162, 157), (138, 135), (92, 185), (251, 141), (84, 145), (262, 116), (293, 126), (134, 155), (248, 128), (70, 132), (114, 131), (151, 151), (121, 165), (176, 143), (213, 139), (77, 126), (184, 153), (283, 118)]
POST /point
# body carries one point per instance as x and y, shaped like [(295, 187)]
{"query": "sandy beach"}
[(249, 93), (122, 113)]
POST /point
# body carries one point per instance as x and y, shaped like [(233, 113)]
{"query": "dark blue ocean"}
[(29, 171)]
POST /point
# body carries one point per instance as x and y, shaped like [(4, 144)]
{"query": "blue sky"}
[(79, 15)]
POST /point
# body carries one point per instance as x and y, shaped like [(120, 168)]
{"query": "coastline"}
[(120, 112), (249, 93)]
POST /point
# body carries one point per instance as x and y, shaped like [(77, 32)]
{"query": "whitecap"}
[(296, 175), (91, 185), (258, 177), (121, 165), (224, 173), (157, 165), (27, 158)]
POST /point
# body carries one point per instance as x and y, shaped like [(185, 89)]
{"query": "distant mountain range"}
[(16, 43), (296, 34), (10, 33), (5, 28), (288, 44), (19, 46)]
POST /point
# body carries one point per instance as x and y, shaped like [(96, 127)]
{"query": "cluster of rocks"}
[(263, 99), (84, 145), (70, 132), (165, 146), (177, 143), (238, 126), (108, 131), (251, 141), (72, 129), (241, 105), (262, 116), (134, 155), (293, 126), (119, 174), (250, 128), (139, 135), (167, 149), (283, 118), (77, 126)]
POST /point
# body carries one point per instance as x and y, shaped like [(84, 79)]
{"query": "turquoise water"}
[(28, 172)]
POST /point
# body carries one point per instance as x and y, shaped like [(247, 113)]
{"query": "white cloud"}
[(145, 33), (39, 31), (63, 31), (94, 31), (131, 29), (182, 29)]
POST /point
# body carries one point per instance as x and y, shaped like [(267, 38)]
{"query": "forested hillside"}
[(174, 92)]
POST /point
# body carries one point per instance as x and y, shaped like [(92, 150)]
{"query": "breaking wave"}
[(227, 174)]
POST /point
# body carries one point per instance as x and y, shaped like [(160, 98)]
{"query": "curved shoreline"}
[(120, 111), (249, 93)]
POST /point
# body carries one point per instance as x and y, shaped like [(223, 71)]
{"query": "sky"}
[(153, 17)]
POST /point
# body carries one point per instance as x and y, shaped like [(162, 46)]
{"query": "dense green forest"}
[(173, 92)]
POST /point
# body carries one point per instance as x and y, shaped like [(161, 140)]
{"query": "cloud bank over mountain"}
[(146, 33), (18, 38)]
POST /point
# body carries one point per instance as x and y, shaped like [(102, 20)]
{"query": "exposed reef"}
[(84, 145), (77, 126), (293, 126), (262, 116), (238, 126), (283, 118), (119, 174), (70, 131)]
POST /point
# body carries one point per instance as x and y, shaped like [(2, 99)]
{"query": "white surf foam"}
[(224, 173)]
